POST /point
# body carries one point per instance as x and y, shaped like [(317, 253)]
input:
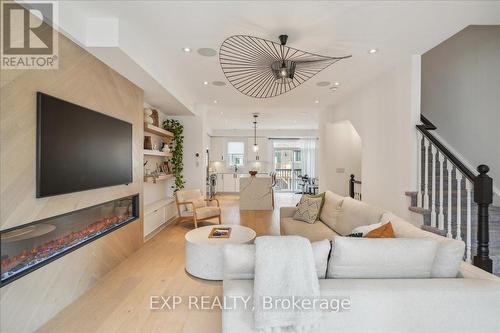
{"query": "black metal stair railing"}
[(355, 188), (430, 149)]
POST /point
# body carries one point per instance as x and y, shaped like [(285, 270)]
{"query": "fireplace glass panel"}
[(33, 245)]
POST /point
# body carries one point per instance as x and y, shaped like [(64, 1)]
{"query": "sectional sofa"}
[(415, 283)]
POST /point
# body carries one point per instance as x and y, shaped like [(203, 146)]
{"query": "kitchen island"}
[(256, 193)]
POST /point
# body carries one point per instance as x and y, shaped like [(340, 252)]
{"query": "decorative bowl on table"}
[(252, 172)]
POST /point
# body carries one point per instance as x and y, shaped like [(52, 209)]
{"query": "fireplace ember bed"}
[(30, 246)]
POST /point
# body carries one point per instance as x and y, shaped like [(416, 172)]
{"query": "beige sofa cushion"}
[(353, 214), (330, 209), (314, 232), (450, 251), (370, 258), (207, 212)]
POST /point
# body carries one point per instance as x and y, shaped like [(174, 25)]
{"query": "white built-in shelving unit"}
[(159, 205)]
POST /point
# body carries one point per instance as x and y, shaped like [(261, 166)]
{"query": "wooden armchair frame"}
[(194, 217)]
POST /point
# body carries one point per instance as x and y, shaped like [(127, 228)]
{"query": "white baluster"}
[(419, 169), (426, 174), (433, 187), (468, 188), (459, 205), (441, 204), (449, 167)]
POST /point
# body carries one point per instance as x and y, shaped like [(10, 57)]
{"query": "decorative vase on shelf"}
[(165, 148)]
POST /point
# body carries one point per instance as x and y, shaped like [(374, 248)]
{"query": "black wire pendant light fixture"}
[(261, 68)]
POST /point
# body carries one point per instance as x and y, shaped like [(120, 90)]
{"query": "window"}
[(297, 155), (235, 153)]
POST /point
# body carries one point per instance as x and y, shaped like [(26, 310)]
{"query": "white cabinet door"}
[(171, 211), (220, 182), (237, 183), (153, 220), (229, 183), (218, 149)]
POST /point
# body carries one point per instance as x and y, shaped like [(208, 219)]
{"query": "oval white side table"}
[(204, 256)]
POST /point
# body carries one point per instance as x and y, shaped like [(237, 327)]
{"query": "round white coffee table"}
[(204, 256)]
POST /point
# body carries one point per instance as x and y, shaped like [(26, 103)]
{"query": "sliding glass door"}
[(288, 168)]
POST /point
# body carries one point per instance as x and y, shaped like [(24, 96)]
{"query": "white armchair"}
[(192, 206)]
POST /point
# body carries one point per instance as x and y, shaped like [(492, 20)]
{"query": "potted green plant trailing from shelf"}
[(177, 151)]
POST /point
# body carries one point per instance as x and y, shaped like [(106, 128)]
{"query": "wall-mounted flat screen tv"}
[(79, 149)]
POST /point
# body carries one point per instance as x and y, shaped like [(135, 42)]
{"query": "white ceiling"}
[(153, 34)]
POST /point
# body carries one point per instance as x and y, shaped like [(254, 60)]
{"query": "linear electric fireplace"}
[(30, 246)]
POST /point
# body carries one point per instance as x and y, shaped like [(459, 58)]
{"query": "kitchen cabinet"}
[(261, 154), (157, 214), (218, 149), (237, 183), (228, 182), (220, 182)]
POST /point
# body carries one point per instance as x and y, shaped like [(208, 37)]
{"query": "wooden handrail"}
[(424, 129)]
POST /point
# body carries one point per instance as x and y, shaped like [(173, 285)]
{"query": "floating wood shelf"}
[(149, 179), (156, 153), (158, 131), (149, 208)]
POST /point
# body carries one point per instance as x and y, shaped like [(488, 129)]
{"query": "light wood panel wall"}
[(30, 301)]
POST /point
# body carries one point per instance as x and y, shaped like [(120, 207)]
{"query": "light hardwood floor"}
[(120, 302)]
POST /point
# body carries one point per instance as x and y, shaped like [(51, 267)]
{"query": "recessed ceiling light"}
[(205, 82), (216, 101), (333, 88), (372, 51), (186, 49), (221, 113), (207, 52), (316, 101), (219, 83), (323, 84), (336, 84)]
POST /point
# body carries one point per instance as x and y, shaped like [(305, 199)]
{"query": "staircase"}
[(445, 197)]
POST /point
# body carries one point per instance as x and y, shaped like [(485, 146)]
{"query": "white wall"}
[(461, 95), (381, 112), (340, 149)]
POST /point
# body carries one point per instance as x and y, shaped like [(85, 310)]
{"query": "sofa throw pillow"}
[(365, 229), (331, 208), (384, 231), (354, 213), (308, 209), (321, 195)]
